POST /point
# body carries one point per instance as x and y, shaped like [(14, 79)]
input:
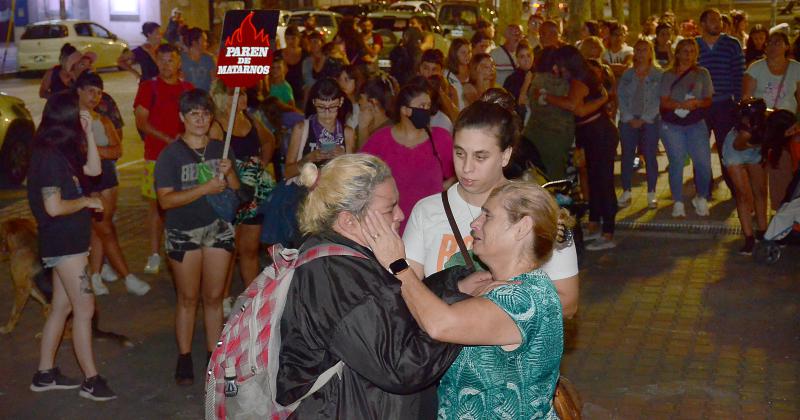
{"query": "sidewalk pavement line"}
[(131, 163)]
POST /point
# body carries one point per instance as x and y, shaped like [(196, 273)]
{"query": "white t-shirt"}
[(453, 80), (505, 63), (767, 84), (430, 241), (619, 56), (441, 120)]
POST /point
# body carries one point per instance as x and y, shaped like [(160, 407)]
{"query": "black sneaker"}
[(48, 380), (96, 389), (184, 370)]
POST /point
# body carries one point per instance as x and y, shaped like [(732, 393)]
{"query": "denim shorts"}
[(731, 156), (50, 262), (219, 234)]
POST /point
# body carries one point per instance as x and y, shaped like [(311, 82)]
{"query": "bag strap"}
[(513, 64), (454, 226), (780, 87), (686, 73), (319, 383)]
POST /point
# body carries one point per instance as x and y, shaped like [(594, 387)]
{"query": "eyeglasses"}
[(196, 115), (327, 109)]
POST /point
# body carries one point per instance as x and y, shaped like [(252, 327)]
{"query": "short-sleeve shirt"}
[(697, 84), (162, 100), (176, 168), (146, 62), (768, 84), (618, 57), (60, 235), (505, 61), (282, 91), (488, 382), (416, 170), (198, 73), (430, 241)]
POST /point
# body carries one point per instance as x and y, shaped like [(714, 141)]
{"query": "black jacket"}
[(350, 309)]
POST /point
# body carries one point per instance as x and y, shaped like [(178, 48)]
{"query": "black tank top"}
[(595, 93), (247, 146), (56, 84)]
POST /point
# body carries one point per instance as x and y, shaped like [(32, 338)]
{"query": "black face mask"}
[(420, 117)]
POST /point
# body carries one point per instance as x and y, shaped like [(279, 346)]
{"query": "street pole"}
[(62, 9)]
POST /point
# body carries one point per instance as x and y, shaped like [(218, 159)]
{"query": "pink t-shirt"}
[(416, 170)]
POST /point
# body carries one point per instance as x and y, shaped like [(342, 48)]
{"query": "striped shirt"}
[(725, 62)]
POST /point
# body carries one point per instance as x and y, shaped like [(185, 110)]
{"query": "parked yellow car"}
[(16, 132)]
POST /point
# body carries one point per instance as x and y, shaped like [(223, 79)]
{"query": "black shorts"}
[(107, 179), (219, 234)]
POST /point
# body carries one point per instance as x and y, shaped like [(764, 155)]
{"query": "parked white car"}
[(327, 23), (40, 44), (414, 6)]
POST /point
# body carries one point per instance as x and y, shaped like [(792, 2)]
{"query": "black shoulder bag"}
[(454, 226)]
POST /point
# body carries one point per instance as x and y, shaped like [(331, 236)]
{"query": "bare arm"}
[(92, 166), (268, 142), (44, 87), (142, 114), (168, 198), (349, 140), (292, 164), (56, 206), (749, 86), (574, 101), (568, 289)]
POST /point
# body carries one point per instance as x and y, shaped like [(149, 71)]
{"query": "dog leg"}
[(20, 297), (37, 295)]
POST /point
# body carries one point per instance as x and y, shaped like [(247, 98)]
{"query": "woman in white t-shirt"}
[(483, 137), (774, 79), (457, 71)]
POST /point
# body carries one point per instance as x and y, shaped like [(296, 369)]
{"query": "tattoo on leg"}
[(86, 286)]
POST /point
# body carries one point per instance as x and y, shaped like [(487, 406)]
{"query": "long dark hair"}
[(406, 95), (569, 58), (750, 45), (60, 130), (327, 89)]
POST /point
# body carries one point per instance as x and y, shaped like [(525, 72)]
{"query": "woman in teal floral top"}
[(513, 333)]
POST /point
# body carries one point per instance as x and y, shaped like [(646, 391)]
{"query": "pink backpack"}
[(243, 369)]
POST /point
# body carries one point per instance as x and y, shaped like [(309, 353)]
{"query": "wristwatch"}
[(398, 266)]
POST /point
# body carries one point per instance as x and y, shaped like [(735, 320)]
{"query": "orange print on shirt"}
[(448, 247)]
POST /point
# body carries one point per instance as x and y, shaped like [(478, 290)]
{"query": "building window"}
[(124, 10)]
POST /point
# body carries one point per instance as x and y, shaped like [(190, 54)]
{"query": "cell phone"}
[(327, 147)]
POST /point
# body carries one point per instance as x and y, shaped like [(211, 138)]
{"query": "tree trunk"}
[(597, 9), (634, 16), (617, 10), (579, 11), (644, 10)]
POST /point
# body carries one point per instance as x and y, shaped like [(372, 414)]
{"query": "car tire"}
[(16, 155)]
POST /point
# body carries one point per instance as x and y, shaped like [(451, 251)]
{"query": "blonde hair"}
[(525, 198), (591, 42), (345, 183), (649, 47), (220, 95), (682, 43)]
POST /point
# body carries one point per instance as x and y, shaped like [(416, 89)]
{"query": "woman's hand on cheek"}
[(385, 243)]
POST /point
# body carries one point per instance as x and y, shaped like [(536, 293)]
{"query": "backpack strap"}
[(327, 250), (319, 383)]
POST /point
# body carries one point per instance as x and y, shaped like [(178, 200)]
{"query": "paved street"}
[(670, 325)]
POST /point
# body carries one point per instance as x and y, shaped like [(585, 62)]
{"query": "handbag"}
[(692, 117), (566, 401)]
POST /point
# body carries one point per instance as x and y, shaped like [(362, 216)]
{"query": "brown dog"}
[(18, 242)]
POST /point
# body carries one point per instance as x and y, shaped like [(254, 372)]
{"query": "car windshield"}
[(458, 14), (352, 10), (403, 8), (45, 32), (390, 23), (322, 20)]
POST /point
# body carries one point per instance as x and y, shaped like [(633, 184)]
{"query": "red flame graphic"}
[(246, 34)]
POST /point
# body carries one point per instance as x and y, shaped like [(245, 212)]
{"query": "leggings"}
[(600, 139)]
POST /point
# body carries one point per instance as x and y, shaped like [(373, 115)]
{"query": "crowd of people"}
[(406, 165)]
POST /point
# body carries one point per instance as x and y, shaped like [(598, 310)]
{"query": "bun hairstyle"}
[(345, 183), (491, 116)]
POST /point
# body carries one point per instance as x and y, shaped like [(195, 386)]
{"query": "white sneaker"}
[(700, 206), (652, 201), (601, 244), (100, 289), (136, 285), (624, 199), (678, 210), (227, 306), (108, 274), (153, 263)]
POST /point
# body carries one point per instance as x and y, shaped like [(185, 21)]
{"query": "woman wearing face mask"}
[(421, 157), (323, 135)]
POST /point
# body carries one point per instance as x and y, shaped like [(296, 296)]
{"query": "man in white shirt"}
[(480, 152), (505, 55)]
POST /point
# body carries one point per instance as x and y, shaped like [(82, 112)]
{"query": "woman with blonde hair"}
[(389, 367), (686, 91), (638, 98), (514, 329), (592, 48)]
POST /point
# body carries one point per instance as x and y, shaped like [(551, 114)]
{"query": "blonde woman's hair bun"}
[(309, 173)]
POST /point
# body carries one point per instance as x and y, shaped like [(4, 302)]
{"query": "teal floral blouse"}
[(487, 382)]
